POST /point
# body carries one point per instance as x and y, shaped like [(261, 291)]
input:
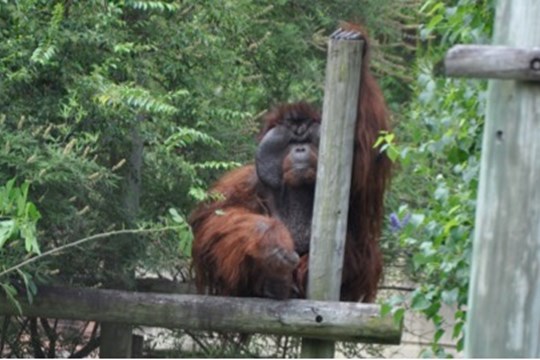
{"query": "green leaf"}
[(393, 153), (186, 242), (197, 193), (438, 335), (427, 354), (7, 227), (434, 21), (398, 316), (441, 193), (176, 217), (385, 309), (396, 300), (417, 219), (460, 344), (420, 259), (458, 329), (426, 5), (28, 284), (420, 302), (28, 233), (11, 292), (438, 6), (32, 212), (450, 297)]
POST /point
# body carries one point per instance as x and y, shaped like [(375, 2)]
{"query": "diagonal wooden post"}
[(331, 206), (504, 295)]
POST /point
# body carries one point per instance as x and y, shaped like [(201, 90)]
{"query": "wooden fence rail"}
[(344, 321), (493, 62)]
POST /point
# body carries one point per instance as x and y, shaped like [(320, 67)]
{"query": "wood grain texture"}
[(504, 298), (334, 171), (493, 62), (317, 319)]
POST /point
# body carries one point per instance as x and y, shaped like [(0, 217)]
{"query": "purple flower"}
[(396, 224)]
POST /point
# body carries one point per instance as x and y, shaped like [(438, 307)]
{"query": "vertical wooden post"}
[(115, 338), (504, 296), (333, 179)]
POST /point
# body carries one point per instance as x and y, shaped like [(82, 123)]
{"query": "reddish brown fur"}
[(232, 234), (291, 177), (278, 114)]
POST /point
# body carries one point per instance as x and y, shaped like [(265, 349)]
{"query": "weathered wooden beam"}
[(317, 319), (165, 286), (334, 169), (493, 62), (504, 297)]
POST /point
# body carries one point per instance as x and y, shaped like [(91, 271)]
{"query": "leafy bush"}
[(437, 185), (18, 236)]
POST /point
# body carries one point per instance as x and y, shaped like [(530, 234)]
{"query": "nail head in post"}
[(535, 64)]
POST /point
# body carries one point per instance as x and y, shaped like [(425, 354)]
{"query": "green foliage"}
[(19, 217), (186, 238), (18, 235), (440, 153), (457, 21), (386, 143), (78, 79), (113, 95), (153, 5)]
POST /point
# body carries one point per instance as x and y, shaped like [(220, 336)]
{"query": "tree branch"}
[(84, 240)]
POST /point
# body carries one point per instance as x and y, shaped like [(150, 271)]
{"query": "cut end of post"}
[(349, 35), (341, 34)]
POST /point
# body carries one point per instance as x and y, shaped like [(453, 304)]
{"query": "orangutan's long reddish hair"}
[(236, 235)]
